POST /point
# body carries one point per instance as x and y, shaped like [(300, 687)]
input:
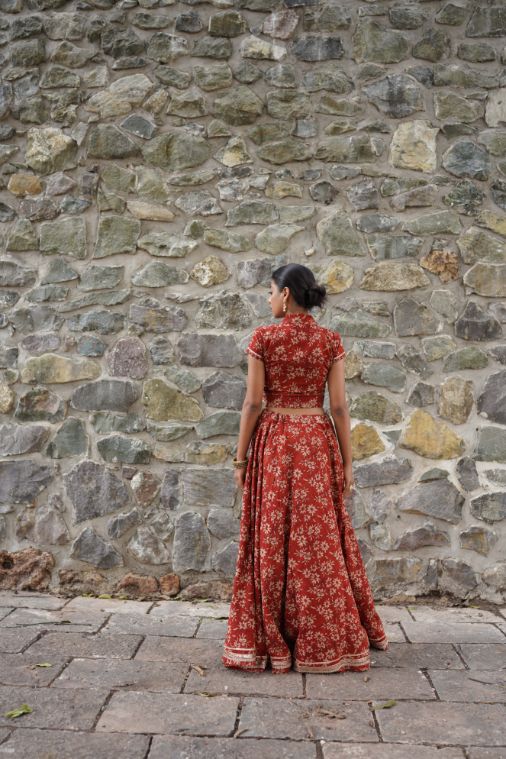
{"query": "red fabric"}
[(301, 596)]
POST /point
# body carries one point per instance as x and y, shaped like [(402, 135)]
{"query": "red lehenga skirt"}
[(301, 595)]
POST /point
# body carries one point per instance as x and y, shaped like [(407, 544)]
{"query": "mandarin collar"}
[(299, 315)]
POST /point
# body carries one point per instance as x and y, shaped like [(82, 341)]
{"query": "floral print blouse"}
[(297, 354)]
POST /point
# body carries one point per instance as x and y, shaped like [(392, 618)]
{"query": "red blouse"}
[(297, 355)]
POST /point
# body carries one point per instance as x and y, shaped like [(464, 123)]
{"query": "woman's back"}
[(297, 355)]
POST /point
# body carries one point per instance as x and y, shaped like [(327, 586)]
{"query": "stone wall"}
[(158, 160)]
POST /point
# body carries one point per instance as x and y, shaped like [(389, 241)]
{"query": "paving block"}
[(306, 719), (419, 655), (146, 712), (45, 619), (39, 744), (120, 673), (483, 655), (387, 751), (99, 646), (485, 686), (183, 747), (77, 711), (147, 624), (444, 723), (220, 679), (20, 669), (378, 683), (452, 632)]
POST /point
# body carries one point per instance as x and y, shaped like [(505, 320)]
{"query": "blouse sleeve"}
[(256, 347), (338, 351)]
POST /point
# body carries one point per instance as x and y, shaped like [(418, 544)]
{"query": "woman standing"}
[(301, 596)]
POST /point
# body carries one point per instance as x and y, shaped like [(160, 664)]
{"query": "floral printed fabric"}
[(301, 597)]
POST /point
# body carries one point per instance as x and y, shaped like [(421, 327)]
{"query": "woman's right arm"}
[(341, 416)]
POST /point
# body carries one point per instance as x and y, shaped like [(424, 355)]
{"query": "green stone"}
[(51, 368), (376, 408), (22, 237), (67, 237), (238, 107), (353, 149), (374, 43), (285, 151), (176, 150), (124, 449), (70, 440), (465, 358), (116, 234), (339, 237), (159, 274), (275, 238), (164, 402)]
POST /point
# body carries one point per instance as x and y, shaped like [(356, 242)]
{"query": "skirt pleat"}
[(301, 597)]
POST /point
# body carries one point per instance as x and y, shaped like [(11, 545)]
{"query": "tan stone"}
[(6, 398), (149, 211), (164, 402), (443, 262), (210, 271), (394, 275), (27, 569), (235, 153), (137, 585), (492, 221), (24, 184), (52, 368), (365, 441), (284, 189), (430, 438), (455, 399), (414, 146), (337, 277), (488, 280), (353, 365)]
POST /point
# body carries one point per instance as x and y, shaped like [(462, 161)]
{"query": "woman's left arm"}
[(251, 410)]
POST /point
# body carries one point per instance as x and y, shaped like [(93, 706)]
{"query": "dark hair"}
[(302, 283)]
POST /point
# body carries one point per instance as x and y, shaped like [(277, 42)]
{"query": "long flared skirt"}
[(301, 597)]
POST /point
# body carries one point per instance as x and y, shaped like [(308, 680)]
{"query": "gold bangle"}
[(238, 463)]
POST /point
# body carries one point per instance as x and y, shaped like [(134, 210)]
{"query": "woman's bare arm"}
[(339, 408), (252, 404)]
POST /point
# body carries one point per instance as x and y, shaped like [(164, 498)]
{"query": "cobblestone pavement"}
[(136, 679)]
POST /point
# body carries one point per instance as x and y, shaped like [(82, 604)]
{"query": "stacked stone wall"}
[(158, 160)]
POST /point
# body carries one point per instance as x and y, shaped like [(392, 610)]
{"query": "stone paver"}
[(39, 744), (387, 751), (150, 625), (145, 712), (118, 673), (419, 655), (377, 683), (184, 747), (483, 655), (42, 619), (444, 722), (20, 669), (77, 711), (452, 632), (307, 719), (144, 680), (485, 686), (99, 646)]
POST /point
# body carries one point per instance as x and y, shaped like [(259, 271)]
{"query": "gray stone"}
[(64, 237), (22, 480), (116, 234), (14, 275), (107, 141), (105, 395), (427, 535), (487, 21), (252, 212), (313, 48), (372, 42), (208, 350), (491, 507), (212, 47), (389, 471), (219, 423), (467, 159), (98, 277), (191, 542), (239, 107), (176, 150), (474, 323), (478, 539), (117, 448), (397, 95), (118, 525), (40, 405), (467, 474), (147, 547), (227, 23), (70, 440), (128, 358), (355, 149), (16, 439), (103, 322), (465, 358), (491, 402), (188, 22), (223, 391), (165, 48), (94, 491), (159, 274), (436, 498), (414, 318), (92, 548), (151, 316), (491, 445)]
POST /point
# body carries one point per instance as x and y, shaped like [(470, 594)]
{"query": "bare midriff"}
[(295, 411)]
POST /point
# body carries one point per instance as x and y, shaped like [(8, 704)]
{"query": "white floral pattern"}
[(301, 596)]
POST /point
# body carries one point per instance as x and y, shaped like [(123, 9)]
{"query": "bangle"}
[(238, 463)]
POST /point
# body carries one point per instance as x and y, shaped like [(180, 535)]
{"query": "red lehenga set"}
[(301, 596)]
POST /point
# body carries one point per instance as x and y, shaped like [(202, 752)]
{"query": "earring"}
[(284, 307)]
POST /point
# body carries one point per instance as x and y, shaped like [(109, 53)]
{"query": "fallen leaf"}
[(104, 595), (41, 664), (199, 669), (391, 702), (23, 709)]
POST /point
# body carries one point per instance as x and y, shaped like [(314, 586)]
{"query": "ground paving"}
[(109, 678)]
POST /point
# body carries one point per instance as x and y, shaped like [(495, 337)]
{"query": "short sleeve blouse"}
[(256, 346), (338, 351)]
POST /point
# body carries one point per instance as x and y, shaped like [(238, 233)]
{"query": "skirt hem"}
[(255, 663)]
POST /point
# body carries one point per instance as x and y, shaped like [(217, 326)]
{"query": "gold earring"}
[(284, 307)]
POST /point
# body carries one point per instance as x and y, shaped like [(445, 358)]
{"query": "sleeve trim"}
[(252, 352)]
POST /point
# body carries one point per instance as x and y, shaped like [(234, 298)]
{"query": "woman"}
[(301, 595)]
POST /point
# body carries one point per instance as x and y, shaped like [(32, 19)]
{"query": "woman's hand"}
[(349, 482), (240, 476)]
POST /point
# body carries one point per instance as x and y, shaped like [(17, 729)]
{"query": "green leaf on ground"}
[(23, 709)]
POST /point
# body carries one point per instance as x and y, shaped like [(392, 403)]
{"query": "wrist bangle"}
[(237, 463)]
